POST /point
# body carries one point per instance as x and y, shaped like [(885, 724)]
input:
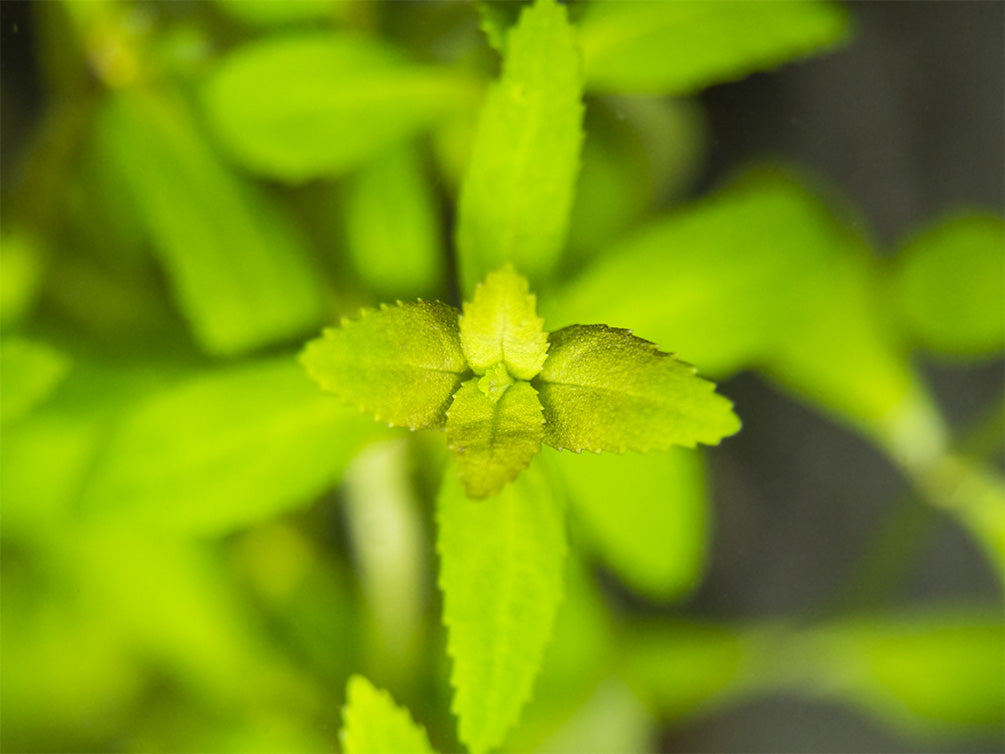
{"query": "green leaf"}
[(494, 432), (501, 565), (224, 450), (500, 326), (392, 226), (31, 371), (401, 363), (373, 724), (680, 47), (645, 515), (22, 265), (334, 100), (496, 17), (516, 196), (949, 284), (240, 272), (268, 13), (605, 389)]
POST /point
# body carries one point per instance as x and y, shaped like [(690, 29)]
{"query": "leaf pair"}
[(500, 385)]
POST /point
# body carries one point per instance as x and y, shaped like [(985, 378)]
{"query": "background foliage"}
[(200, 549)]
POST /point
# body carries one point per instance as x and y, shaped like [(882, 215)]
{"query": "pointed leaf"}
[(501, 565), (517, 194), (401, 363), (500, 325), (682, 46), (373, 724), (335, 100), (604, 389), (493, 440)]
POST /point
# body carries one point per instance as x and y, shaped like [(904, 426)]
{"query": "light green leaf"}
[(373, 724), (392, 226), (494, 432), (21, 261), (30, 372), (500, 326), (680, 47), (645, 515), (605, 389), (501, 565), (334, 101), (401, 363), (224, 450), (267, 13), (517, 194), (949, 285), (240, 272), (496, 17)]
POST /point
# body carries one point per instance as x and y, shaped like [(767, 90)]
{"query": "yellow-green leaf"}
[(373, 724), (603, 389), (501, 566), (494, 432), (517, 194), (500, 326), (400, 363)]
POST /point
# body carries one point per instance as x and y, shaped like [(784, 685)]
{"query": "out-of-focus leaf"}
[(928, 673), (612, 721), (501, 564), (401, 363), (22, 270), (516, 197), (373, 724), (267, 13), (682, 46), (223, 450), (604, 389), (493, 438), (495, 17), (949, 286), (646, 515), (393, 230), (239, 271), (316, 104), (30, 372), (500, 326)]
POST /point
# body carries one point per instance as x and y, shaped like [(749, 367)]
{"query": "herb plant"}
[(210, 545)]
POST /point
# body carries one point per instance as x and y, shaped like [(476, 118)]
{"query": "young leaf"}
[(517, 194), (682, 46), (239, 270), (334, 100), (401, 363), (605, 389), (501, 326), (501, 565), (494, 432), (373, 724)]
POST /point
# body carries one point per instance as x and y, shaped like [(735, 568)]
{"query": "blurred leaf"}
[(374, 724), (949, 286), (501, 566), (686, 45), (22, 272), (267, 13), (603, 389), (238, 269), (401, 363), (392, 225), (31, 371), (224, 450), (516, 197), (611, 721), (930, 673), (493, 438), (302, 106), (646, 515), (500, 326), (496, 17)]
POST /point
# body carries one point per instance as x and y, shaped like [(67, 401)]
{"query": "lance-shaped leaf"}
[(501, 326), (602, 388), (494, 428), (373, 724), (517, 194), (401, 363), (501, 565)]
